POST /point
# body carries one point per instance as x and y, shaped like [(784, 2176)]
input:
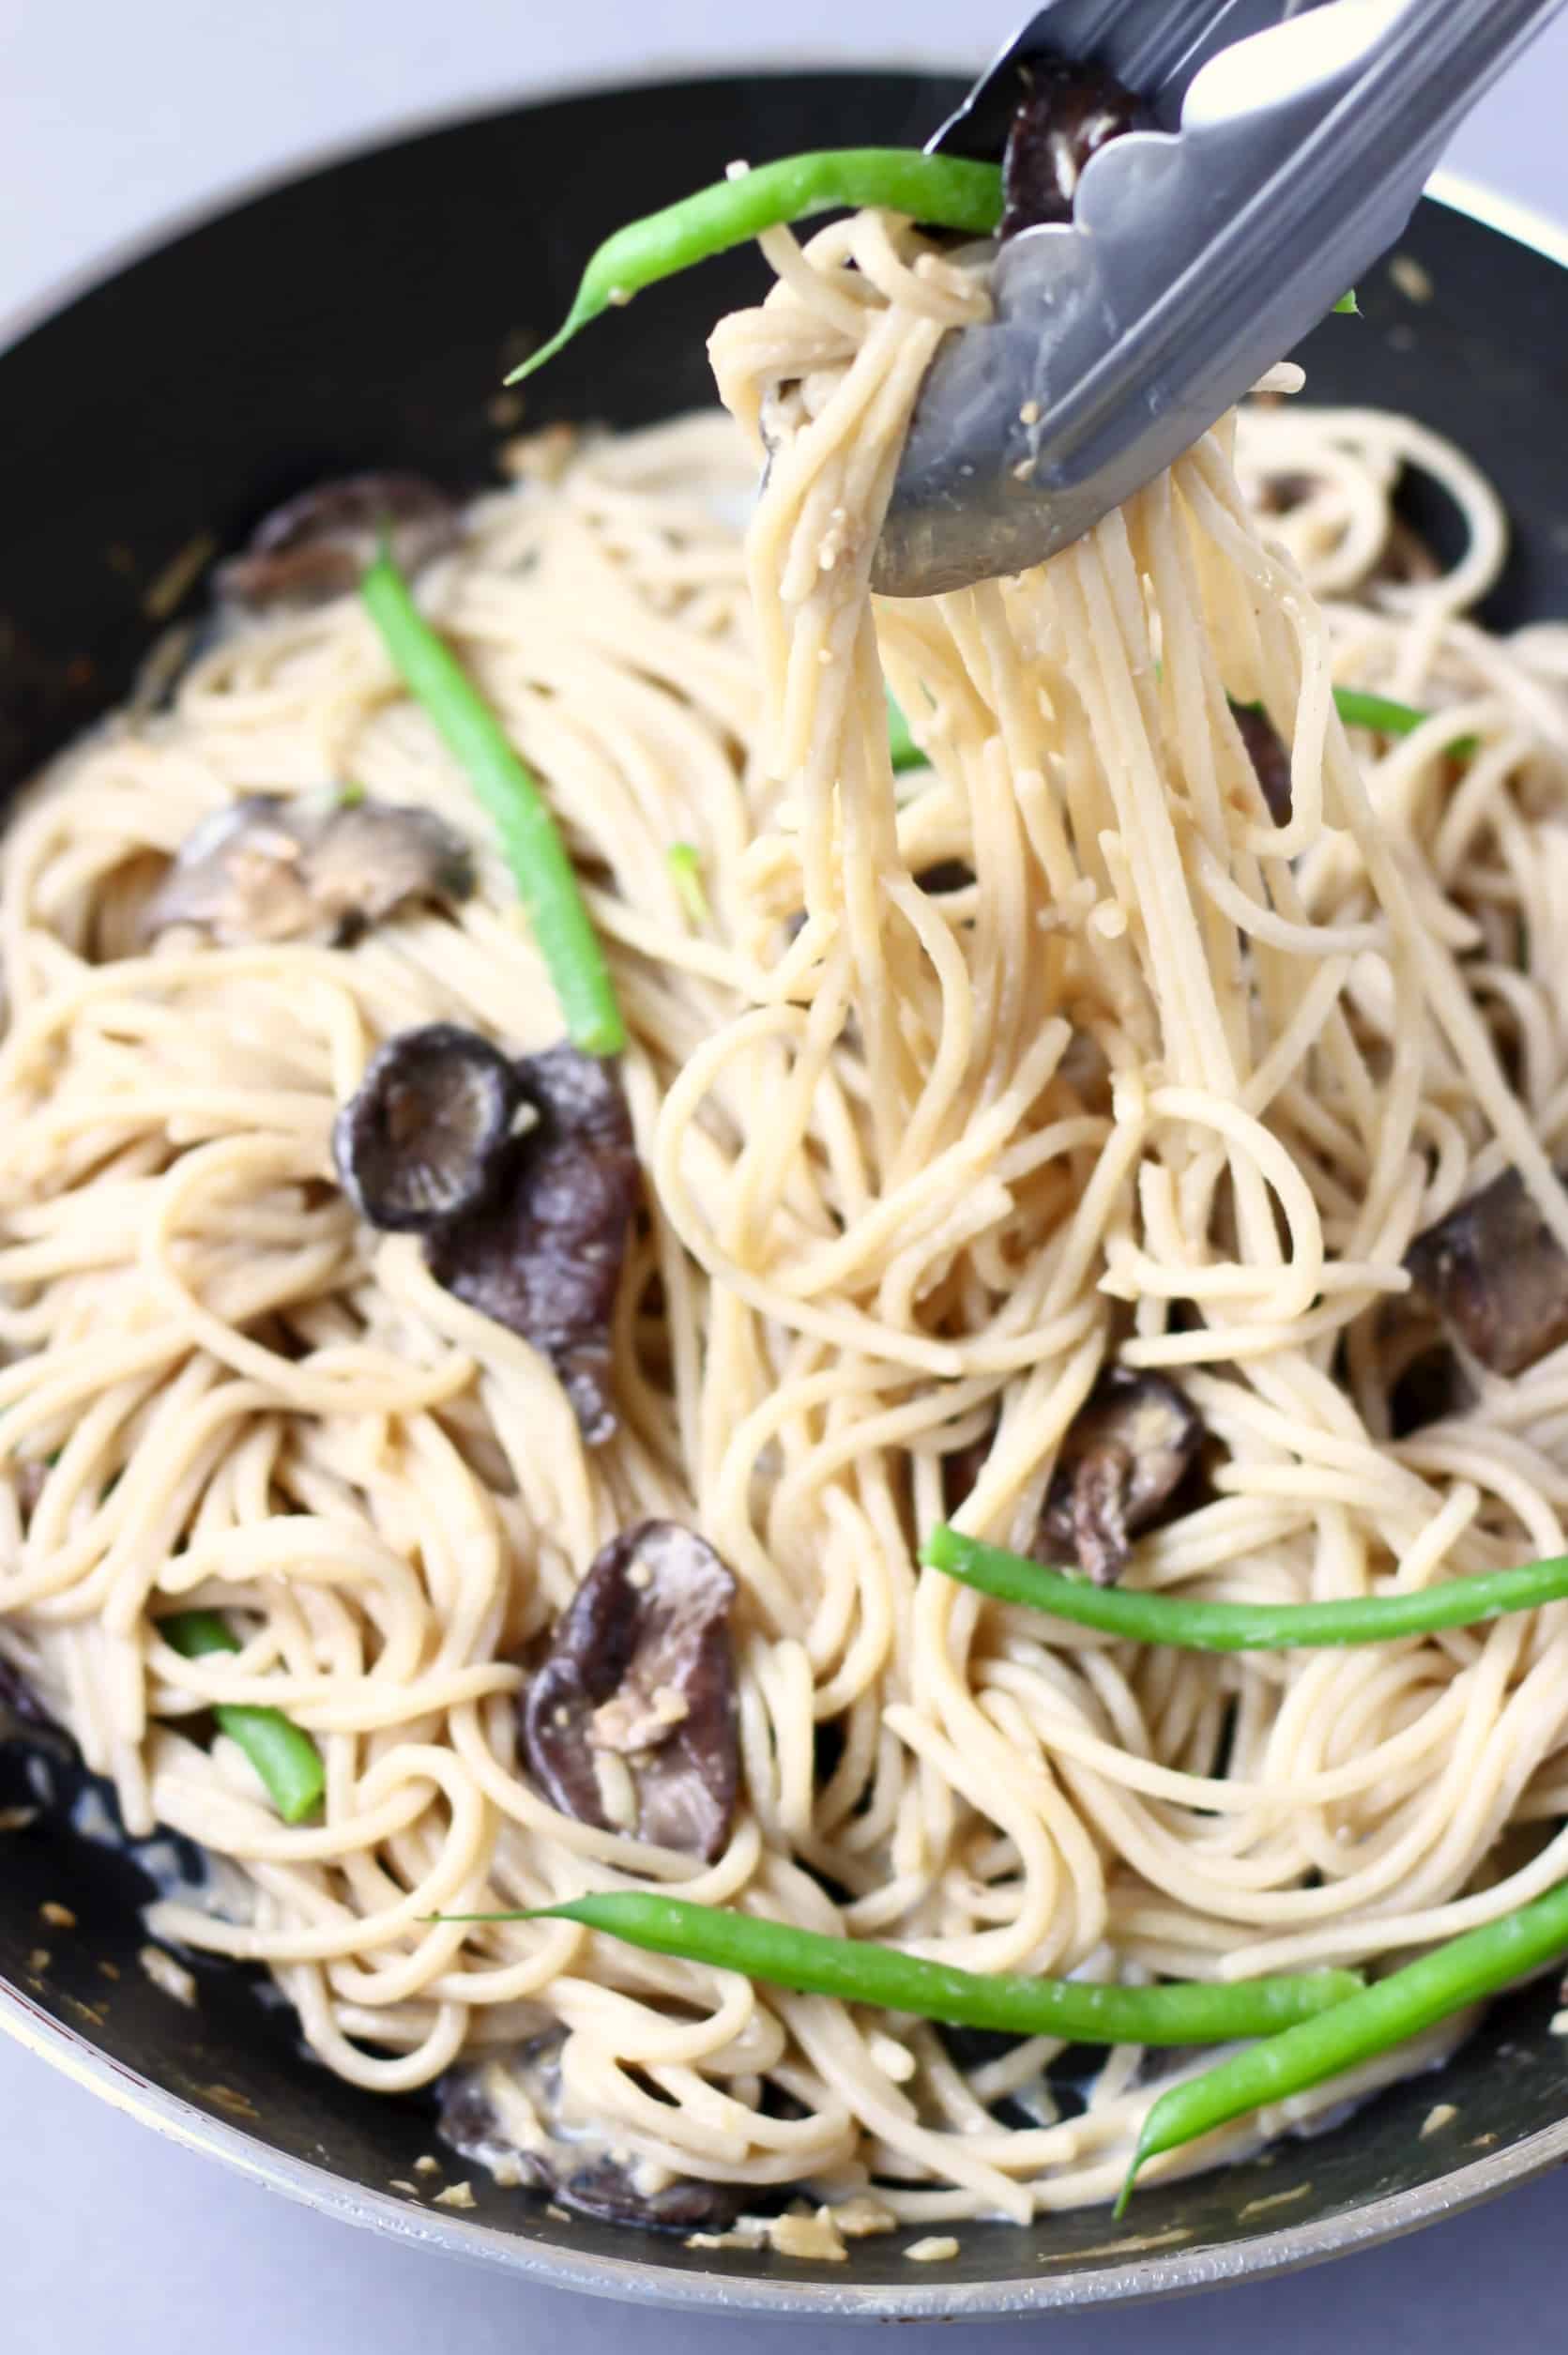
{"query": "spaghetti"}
[(1155, 1079)]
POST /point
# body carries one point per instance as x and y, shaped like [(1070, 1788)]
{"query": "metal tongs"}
[(1293, 147)]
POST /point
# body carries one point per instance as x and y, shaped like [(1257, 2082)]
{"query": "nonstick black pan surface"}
[(363, 315)]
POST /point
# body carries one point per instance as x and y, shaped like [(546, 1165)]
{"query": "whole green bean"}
[(1387, 2013), (516, 808), (855, 1971), (1190, 1625), (287, 1760), (944, 192)]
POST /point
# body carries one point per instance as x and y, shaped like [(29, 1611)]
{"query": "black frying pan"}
[(363, 315)]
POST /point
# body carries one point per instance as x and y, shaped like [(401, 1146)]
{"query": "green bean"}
[(516, 808), (902, 748), (287, 1760), (1387, 2013), (1188, 1625), (685, 864), (944, 192), (854, 1970), (1358, 709)]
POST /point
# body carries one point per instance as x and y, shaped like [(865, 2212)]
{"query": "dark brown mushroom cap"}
[(484, 2120), (1125, 1454), (962, 1468), (424, 1137), (269, 867), (1270, 755), (1497, 1275), (317, 545), (641, 1667), (543, 1256), (1068, 113)]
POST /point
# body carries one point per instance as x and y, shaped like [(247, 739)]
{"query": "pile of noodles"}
[(1166, 1079)]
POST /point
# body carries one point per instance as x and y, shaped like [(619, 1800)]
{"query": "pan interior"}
[(363, 316)]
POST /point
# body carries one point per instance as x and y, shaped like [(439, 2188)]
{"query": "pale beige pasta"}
[(1166, 1079)]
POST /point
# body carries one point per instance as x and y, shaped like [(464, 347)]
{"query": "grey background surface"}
[(111, 118)]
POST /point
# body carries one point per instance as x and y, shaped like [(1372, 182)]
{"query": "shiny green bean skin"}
[(1193, 1626), (1389, 2012), (1358, 709), (539, 862), (943, 191), (854, 1970), (684, 861), (287, 1760), (902, 748)]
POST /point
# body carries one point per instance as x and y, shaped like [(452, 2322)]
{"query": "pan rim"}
[(642, 2279)]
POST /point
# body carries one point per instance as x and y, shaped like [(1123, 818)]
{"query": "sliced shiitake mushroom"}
[(270, 869), (1278, 494), (1429, 1389), (543, 1255), (1068, 113), (1270, 755), (1406, 557), (1497, 1275), (368, 858), (424, 1137), (515, 2117), (631, 1724), (526, 1224), (946, 875), (238, 876), (1125, 1454), (317, 545), (962, 1468)]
